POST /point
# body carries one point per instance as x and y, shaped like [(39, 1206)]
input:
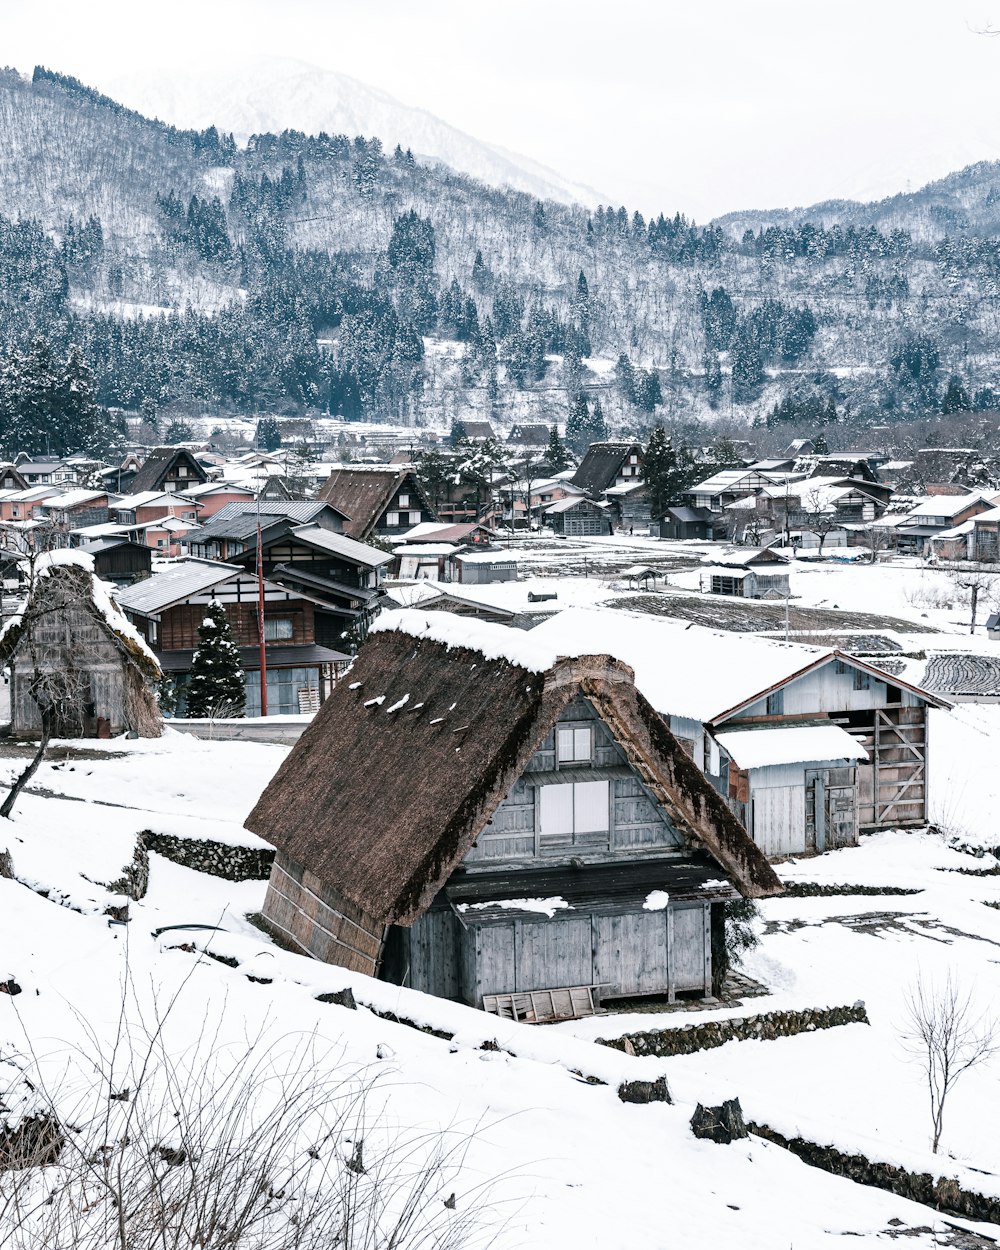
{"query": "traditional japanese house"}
[(78, 668), (576, 516), (533, 832), (607, 465), (169, 469), (119, 560), (378, 499), (168, 607), (807, 744)]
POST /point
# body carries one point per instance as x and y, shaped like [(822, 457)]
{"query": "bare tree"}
[(877, 538), (946, 1038), (274, 1143), (820, 517), (981, 584)]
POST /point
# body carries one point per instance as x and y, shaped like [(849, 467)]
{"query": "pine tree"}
[(178, 432), (660, 471), (556, 456), (217, 686), (578, 424), (268, 437), (598, 426), (956, 397)]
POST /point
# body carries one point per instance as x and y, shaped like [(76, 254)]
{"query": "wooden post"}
[(260, 618)]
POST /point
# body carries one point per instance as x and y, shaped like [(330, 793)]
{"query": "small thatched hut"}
[(471, 816), (72, 653)]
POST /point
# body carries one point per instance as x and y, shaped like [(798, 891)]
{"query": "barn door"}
[(841, 816)]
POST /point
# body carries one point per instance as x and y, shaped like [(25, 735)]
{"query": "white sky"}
[(703, 105)]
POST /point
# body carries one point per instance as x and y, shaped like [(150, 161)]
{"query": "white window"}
[(182, 470), (278, 628), (584, 807), (633, 459), (404, 501), (392, 519), (574, 744)]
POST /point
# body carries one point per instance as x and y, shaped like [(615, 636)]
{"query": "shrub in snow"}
[(217, 686)]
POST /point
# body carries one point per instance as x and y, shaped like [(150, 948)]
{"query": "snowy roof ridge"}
[(492, 641)]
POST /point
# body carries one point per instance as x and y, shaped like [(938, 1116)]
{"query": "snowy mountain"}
[(266, 95)]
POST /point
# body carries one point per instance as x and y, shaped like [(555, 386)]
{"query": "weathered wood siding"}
[(635, 822), (313, 918), (628, 953), (72, 642)]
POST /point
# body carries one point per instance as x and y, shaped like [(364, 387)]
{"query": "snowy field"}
[(567, 1157), (547, 1157)]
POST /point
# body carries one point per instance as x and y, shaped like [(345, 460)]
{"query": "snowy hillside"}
[(267, 95)]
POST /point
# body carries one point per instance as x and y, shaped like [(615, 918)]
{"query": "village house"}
[(746, 573), (529, 436), (342, 577), (927, 518), (234, 527), (729, 485), (684, 523), (46, 471), (168, 608), (807, 744), (533, 838), (11, 479), (78, 668), (377, 499), (433, 551), (119, 559), (607, 465), (168, 469), (576, 517)]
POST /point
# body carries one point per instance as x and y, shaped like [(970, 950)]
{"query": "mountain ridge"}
[(266, 95)]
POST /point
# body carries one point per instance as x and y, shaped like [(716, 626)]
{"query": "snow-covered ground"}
[(567, 1163), (574, 1166)]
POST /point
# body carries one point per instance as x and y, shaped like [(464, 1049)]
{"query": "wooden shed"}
[(807, 744), (531, 826), (78, 668)]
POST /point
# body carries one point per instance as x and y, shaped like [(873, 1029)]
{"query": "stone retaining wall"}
[(764, 1027), (817, 889), (234, 863), (942, 1192)]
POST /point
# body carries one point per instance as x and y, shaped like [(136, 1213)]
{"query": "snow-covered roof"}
[(571, 501), (426, 549), (794, 744), (948, 505), (175, 584), (341, 545), (494, 642), (75, 498), (128, 503)]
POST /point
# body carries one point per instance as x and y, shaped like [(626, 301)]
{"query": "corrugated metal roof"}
[(176, 583), (341, 545)]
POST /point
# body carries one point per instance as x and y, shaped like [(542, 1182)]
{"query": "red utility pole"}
[(260, 618)]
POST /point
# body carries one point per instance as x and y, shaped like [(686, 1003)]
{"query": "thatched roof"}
[(160, 463), (599, 468), (364, 492), (384, 794), (63, 579)]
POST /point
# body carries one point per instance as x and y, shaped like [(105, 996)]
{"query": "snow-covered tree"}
[(217, 686)]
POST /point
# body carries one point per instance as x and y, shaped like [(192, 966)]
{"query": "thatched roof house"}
[(377, 499), (435, 787), (73, 655)]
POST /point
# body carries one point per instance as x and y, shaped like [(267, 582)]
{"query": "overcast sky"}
[(704, 106)]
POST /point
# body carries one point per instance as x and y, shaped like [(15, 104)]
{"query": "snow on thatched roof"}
[(383, 795), (57, 564)]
